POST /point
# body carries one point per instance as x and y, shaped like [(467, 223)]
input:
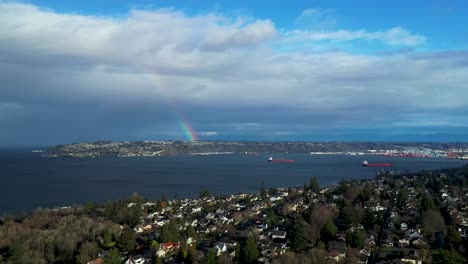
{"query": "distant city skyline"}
[(75, 71)]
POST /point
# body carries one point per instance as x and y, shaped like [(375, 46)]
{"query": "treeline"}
[(70, 235)]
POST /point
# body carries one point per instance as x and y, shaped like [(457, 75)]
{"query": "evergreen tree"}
[(108, 238), (272, 217), (402, 197), (426, 203), (453, 236), (224, 258), (263, 192), (156, 260), (446, 257), (126, 241), (210, 258), (175, 234), (328, 231), (299, 235), (134, 215), (113, 257), (349, 215), (314, 186), (250, 251), (192, 255), (355, 239), (191, 232), (205, 193), (165, 235)]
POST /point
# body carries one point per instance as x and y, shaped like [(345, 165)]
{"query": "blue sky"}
[(75, 71)]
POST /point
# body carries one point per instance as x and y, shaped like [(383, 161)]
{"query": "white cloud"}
[(208, 133), (316, 18), (393, 36)]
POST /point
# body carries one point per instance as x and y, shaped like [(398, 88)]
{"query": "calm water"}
[(28, 181)]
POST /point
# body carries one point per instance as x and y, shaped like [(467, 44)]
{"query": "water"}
[(28, 181)]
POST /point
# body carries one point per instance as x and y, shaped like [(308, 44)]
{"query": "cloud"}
[(393, 36), (132, 77), (208, 133), (316, 18)]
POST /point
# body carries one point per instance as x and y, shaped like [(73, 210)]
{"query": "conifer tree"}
[(299, 235), (250, 251), (126, 241)]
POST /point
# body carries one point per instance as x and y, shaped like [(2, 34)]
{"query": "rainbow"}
[(189, 133)]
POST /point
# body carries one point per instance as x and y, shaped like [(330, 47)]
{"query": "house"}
[(403, 242), (388, 242), (226, 220), (412, 234), (136, 260), (363, 256), (220, 247), (404, 226), (379, 208), (210, 216), (411, 260), (336, 251), (96, 261), (278, 234), (165, 248), (228, 242), (369, 241), (203, 230), (196, 210), (420, 243)]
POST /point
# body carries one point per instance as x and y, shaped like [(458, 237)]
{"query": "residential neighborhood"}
[(386, 220), (411, 218)]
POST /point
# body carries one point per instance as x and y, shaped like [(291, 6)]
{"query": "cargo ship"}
[(270, 159), (367, 164)]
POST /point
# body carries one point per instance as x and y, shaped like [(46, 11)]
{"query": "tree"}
[(433, 222), (174, 231), (453, 236), (328, 231), (318, 215), (191, 232), (108, 238), (299, 235), (165, 235), (349, 215), (402, 197), (263, 192), (126, 241), (426, 202), (155, 259), (192, 255), (224, 258), (314, 186), (205, 193), (272, 217), (210, 258), (355, 239), (113, 257), (87, 252), (134, 215), (250, 251), (446, 257)]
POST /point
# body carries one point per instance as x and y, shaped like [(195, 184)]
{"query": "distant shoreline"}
[(164, 148)]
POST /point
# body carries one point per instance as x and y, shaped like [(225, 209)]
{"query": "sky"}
[(322, 70)]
